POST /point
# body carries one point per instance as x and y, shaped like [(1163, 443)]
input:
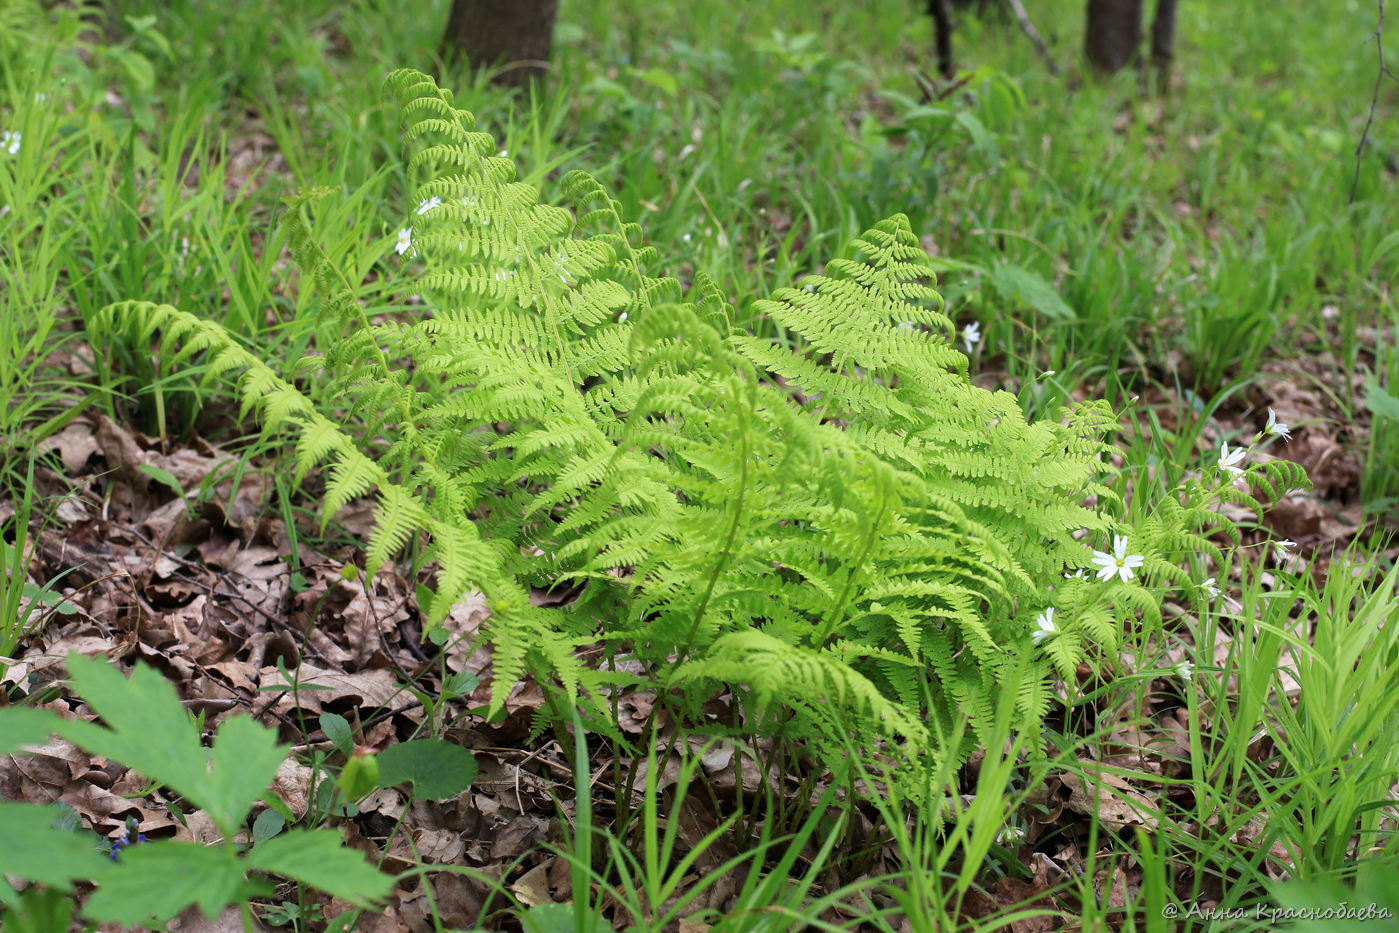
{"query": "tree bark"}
[(942, 31), (1114, 33), (1163, 40), (513, 36)]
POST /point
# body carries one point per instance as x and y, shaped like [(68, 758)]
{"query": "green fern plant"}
[(849, 532)]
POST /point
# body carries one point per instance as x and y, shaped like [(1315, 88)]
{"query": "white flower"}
[(1119, 562), (1010, 835), (9, 141), (405, 241), (1046, 626), (1076, 575), (504, 153), (621, 317), (1183, 669), (429, 204), (1275, 427), (1280, 553), (1228, 458), (905, 325), (685, 238), (1210, 589), (971, 335)]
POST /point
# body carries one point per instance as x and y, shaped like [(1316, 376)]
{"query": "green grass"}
[(1180, 248)]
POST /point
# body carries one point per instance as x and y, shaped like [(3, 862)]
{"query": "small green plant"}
[(24, 606), (146, 728)]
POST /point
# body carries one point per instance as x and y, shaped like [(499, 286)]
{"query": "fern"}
[(846, 529)]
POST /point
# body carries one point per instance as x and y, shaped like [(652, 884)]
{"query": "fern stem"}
[(684, 648), (828, 628), (729, 539)]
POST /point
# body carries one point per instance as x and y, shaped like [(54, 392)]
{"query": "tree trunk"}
[(512, 36), (1114, 33), (1163, 40), (942, 30)]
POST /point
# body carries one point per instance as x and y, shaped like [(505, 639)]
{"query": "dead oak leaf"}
[(1115, 802), (317, 688)]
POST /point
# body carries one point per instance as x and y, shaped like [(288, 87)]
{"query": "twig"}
[(1029, 29), (1378, 37)]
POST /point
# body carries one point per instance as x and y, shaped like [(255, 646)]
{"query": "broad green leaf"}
[(460, 684), (1380, 402), (981, 137), (319, 859), (139, 67), (268, 824), (337, 729), (246, 759), (663, 80), (24, 725), (1018, 284), (437, 769), (146, 727), (66, 817), (155, 881), (40, 910), (548, 918), (35, 851), (148, 730)]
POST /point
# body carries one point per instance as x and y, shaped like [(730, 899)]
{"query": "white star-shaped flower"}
[(429, 204), (1045, 626), (1183, 669), (1119, 562), (971, 335), (405, 241), (1210, 589), (1276, 427), (1010, 835), (9, 141), (1280, 552), (1228, 458)]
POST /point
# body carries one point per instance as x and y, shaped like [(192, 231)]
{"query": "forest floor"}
[(192, 551)]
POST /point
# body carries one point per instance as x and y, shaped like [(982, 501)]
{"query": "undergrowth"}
[(842, 524)]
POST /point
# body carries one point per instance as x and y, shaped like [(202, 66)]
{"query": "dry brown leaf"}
[(518, 836), (439, 846), (75, 444), (192, 920), (532, 888), (293, 785), (372, 688), (1116, 803)]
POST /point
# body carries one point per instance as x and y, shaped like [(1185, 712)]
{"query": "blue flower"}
[(124, 840)]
